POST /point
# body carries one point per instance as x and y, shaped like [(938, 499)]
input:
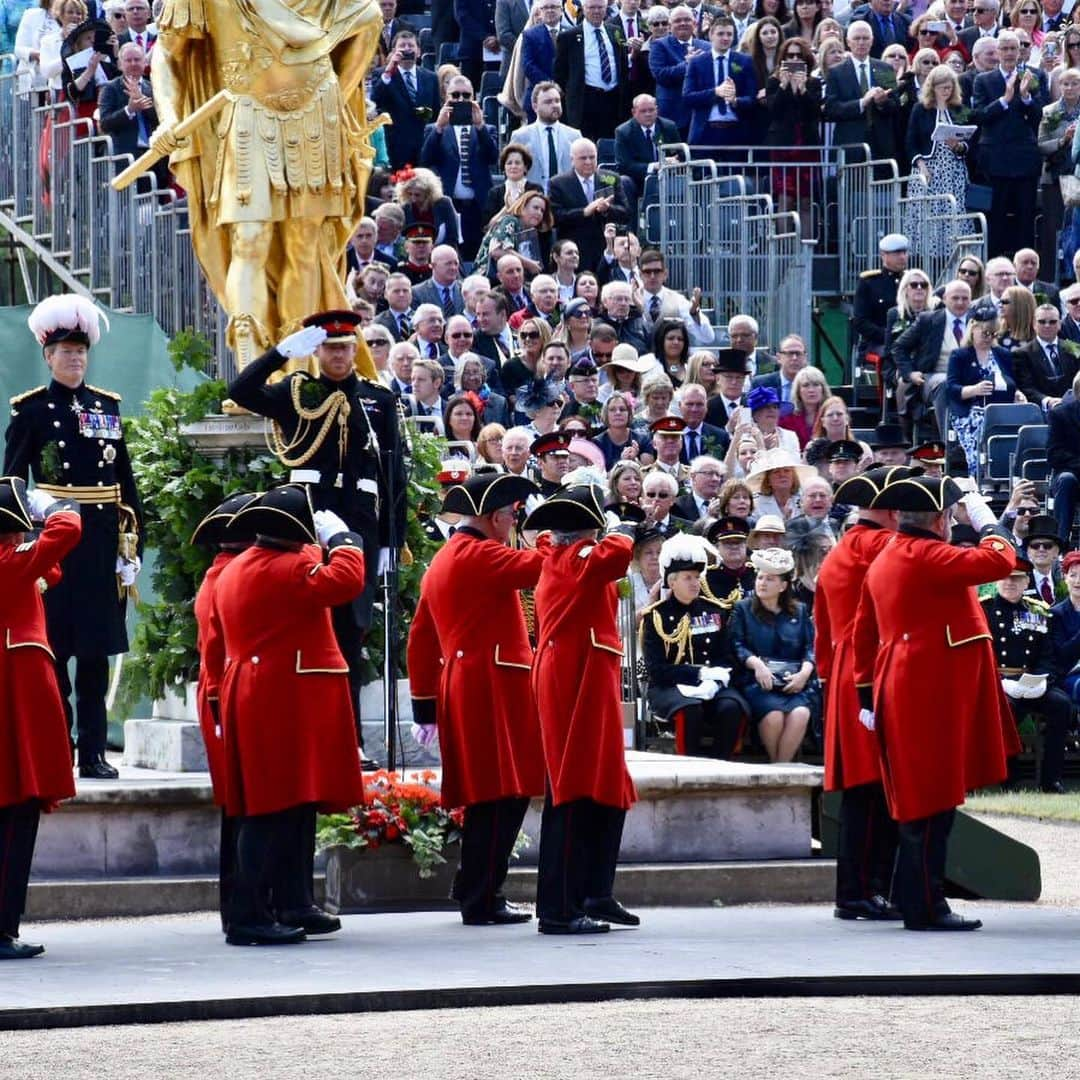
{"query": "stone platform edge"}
[(923, 985)]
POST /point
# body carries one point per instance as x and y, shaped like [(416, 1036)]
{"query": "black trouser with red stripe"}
[(18, 834), (866, 851), (487, 840), (920, 868), (579, 850)]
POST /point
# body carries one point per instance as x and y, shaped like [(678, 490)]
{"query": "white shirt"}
[(593, 70)]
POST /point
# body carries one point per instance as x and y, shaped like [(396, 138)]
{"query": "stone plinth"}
[(166, 745), (215, 436)]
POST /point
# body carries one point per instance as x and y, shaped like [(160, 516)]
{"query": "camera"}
[(461, 113), (101, 41)]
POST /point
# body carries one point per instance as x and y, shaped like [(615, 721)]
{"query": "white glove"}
[(1030, 692), (424, 734), (303, 342), (39, 501), (128, 569), (979, 512), (384, 562), (705, 690), (611, 520), (867, 719), (721, 675), (1013, 688), (328, 524)]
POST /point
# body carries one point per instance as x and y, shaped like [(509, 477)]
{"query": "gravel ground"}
[(666, 1040)]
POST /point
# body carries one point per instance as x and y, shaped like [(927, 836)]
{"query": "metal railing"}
[(132, 249)]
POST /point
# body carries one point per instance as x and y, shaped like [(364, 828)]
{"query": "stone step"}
[(787, 881), (149, 824)]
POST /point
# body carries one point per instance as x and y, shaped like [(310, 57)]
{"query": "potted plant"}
[(391, 853)]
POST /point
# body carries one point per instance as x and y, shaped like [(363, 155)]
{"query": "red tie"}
[(1047, 595)]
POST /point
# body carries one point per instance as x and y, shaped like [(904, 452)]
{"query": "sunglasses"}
[(1025, 44), (528, 335), (918, 284), (601, 355), (969, 272), (460, 95), (1047, 322), (383, 342), (1074, 300), (1041, 545), (1006, 303), (1029, 11), (1026, 510)]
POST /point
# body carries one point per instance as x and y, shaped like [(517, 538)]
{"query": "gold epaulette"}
[(876, 272), (104, 393), (1037, 605), (29, 394)]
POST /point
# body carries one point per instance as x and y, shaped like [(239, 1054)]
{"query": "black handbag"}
[(783, 670)]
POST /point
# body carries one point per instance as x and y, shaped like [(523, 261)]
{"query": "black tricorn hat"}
[(888, 436), (283, 513), (863, 489), (214, 528), (919, 494), (95, 26), (571, 509), (1044, 527), (14, 511), (626, 511), (727, 528), (732, 360), (484, 493), (964, 536)]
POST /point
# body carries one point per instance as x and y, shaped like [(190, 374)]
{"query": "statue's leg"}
[(246, 295)]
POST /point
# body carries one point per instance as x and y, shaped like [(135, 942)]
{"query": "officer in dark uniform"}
[(439, 527), (733, 578), (876, 292), (843, 456), (416, 266), (1020, 626), (552, 451), (932, 456), (688, 656), (68, 437), (339, 434)]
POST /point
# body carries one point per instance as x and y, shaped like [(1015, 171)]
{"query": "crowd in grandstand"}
[(508, 302)]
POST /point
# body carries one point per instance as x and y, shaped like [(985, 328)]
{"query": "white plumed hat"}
[(67, 318), (686, 551)]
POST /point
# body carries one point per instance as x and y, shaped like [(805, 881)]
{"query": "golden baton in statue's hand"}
[(145, 162)]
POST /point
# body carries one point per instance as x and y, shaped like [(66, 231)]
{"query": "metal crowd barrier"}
[(632, 698), (132, 249)]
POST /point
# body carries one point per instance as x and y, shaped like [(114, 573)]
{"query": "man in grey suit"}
[(511, 18), (443, 288), (547, 137)]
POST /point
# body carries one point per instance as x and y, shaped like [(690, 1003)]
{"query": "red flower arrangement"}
[(397, 811)]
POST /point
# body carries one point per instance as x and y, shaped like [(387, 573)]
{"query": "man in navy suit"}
[(668, 58), (443, 288), (464, 157), (538, 50), (699, 438), (409, 95), (639, 142), (887, 26), (1008, 106), (590, 66), (584, 200), (476, 19), (792, 357), (721, 90), (126, 110), (861, 97)]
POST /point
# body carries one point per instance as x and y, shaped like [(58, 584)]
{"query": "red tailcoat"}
[(576, 675), (211, 663), (469, 650), (921, 638), (35, 748), (289, 732), (851, 752)]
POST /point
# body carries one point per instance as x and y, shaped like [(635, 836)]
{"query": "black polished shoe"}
[(506, 914), (611, 911), (581, 925), (875, 909), (99, 769), (1056, 788), (368, 764), (312, 920), (946, 921), (12, 949), (265, 934)]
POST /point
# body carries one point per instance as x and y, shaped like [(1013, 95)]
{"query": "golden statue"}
[(277, 162)]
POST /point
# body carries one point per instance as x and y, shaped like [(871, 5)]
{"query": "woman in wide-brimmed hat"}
[(774, 478)]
